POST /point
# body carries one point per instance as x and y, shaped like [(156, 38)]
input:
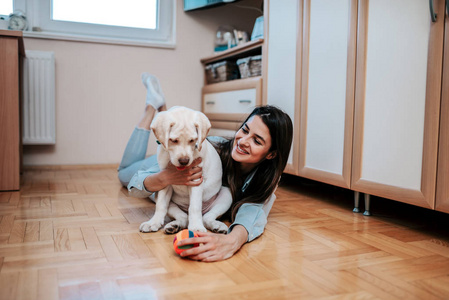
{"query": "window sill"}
[(97, 39)]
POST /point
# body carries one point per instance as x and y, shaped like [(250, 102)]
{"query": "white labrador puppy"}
[(182, 133)]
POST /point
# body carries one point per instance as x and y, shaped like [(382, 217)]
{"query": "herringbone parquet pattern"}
[(73, 234)]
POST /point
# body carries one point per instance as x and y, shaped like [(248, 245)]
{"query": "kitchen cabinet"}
[(442, 195), (397, 100), (11, 54), (363, 85), (284, 64), (327, 90), (311, 66)]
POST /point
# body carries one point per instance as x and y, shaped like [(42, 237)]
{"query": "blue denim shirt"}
[(251, 216)]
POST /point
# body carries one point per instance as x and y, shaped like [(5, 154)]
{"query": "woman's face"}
[(252, 144)]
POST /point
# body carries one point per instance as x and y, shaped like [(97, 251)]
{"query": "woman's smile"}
[(252, 144), (240, 150)]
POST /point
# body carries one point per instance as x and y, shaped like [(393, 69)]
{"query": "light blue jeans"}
[(133, 158)]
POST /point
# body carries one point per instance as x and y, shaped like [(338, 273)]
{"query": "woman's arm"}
[(214, 246), (145, 182), (249, 224), (253, 216)]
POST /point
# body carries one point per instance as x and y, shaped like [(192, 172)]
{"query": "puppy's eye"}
[(174, 141), (192, 141)]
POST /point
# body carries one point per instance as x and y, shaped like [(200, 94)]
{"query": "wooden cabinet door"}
[(327, 90), (9, 114), (442, 198), (284, 64), (398, 87)]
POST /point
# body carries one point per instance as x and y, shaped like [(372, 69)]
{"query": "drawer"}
[(231, 101)]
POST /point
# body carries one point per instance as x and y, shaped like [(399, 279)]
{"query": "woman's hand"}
[(191, 176), (213, 246)]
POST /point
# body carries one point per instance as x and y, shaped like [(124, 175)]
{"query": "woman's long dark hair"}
[(269, 171)]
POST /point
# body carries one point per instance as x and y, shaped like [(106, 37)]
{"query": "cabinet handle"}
[(433, 15), (245, 101), (210, 102)]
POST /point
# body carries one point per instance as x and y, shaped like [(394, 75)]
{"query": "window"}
[(6, 7), (145, 22), (105, 12)]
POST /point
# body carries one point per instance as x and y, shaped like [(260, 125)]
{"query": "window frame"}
[(40, 25)]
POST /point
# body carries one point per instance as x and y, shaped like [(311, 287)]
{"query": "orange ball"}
[(182, 235)]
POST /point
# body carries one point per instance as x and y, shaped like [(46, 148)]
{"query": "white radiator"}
[(39, 98)]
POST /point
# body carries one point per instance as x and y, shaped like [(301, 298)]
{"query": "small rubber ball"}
[(182, 235)]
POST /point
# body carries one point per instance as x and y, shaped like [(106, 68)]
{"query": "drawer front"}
[(230, 102)]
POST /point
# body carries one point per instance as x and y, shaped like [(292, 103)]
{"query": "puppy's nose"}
[(183, 161)]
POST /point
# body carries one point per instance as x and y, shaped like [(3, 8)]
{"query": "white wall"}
[(99, 95)]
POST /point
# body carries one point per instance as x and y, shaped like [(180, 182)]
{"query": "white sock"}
[(155, 97)]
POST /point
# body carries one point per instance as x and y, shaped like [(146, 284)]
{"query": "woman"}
[(253, 162)]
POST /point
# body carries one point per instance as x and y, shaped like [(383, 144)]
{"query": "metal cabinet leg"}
[(367, 204), (356, 202)]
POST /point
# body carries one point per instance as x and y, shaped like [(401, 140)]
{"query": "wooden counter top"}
[(17, 34)]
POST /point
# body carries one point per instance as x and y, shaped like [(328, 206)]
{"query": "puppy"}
[(182, 133)]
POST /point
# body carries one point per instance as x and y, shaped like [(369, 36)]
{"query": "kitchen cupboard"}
[(283, 64), (11, 54), (327, 90), (362, 83), (442, 196), (311, 65), (397, 100)]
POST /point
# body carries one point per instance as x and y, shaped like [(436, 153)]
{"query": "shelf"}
[(231, 85), (236, 51)]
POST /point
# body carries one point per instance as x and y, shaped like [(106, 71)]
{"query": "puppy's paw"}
[(197, 227), (216, 226), (174, 227), (151, 225)]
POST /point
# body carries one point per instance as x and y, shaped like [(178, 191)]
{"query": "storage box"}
[(221, 71), (250, 66)]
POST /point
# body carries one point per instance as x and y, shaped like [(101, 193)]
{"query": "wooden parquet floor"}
[(74, 234)]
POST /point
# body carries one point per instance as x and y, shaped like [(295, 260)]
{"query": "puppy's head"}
[(181, 131)]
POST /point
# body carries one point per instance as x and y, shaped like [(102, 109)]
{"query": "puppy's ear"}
[(161, 125), (203, 126)]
